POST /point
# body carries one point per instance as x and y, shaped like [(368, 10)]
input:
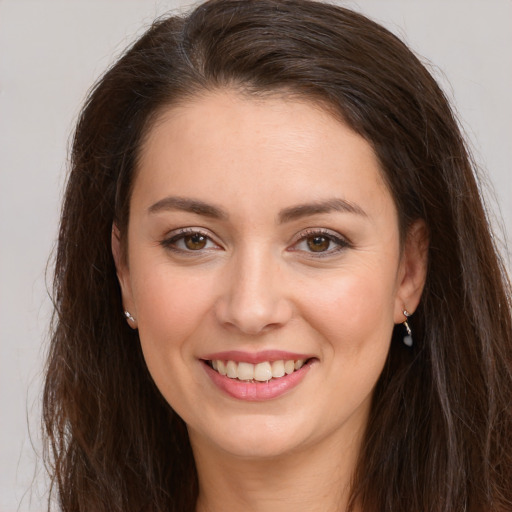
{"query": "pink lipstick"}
[(257, 376)]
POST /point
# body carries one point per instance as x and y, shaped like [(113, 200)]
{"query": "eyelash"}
[(170, 243), (341, 242)]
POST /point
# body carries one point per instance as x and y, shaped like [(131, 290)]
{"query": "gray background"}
[(51, 52)]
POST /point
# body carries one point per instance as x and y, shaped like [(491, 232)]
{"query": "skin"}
[(257, 285)]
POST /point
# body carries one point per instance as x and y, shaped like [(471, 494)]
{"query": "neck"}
[(316, 479)]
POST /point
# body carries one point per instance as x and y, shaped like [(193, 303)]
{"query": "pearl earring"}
[(408, 336)]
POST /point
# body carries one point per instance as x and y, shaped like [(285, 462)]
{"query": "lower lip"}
[(257, 391)]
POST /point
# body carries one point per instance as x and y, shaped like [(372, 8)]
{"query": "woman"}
[(261, 195)]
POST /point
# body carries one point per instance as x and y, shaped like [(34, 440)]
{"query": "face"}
[(263, 242)]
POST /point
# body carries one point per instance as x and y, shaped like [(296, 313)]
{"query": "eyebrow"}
[(188, 205), (331, 205), (286, 215)]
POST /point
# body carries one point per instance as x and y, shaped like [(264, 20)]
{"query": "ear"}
[(123, 276), (412, 272)]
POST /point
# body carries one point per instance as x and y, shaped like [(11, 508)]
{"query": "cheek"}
[(355, 320), (353, 311), (170, 305)]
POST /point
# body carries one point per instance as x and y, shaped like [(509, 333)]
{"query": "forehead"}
[(228, 144)]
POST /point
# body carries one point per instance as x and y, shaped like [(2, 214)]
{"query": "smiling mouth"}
[(260, 372)]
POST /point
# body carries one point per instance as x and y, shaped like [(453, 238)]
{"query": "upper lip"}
[(255, 357)]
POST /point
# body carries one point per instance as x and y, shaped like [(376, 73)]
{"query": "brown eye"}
[(189, 241), (195, 242), (318, 243)]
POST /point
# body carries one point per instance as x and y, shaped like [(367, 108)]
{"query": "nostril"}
[(254, 315)]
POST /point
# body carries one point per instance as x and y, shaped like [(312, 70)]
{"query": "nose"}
[(253, 298)]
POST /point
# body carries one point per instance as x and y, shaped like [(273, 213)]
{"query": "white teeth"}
[(245, 371), (232, 369), (221, 367), (289, 366), (261, 372), (278, 369)]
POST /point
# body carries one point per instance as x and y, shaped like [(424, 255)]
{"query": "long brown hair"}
[(439, 436)]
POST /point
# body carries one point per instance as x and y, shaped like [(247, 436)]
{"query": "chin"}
[(253, 438), (260, 448)]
